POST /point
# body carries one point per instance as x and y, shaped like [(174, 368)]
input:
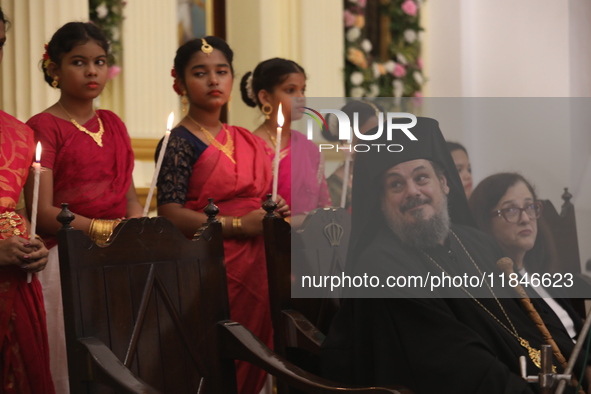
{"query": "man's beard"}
[(421, 233)]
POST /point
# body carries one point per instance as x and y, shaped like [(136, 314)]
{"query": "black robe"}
[(433, 345)]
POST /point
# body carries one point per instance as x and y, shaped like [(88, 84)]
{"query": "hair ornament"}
[(205, 47), (46, 60), (249, 91), (175, 86)]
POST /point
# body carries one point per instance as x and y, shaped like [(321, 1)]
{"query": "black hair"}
[(4, 19), (453, 146), (266, 76), (365, 110), (70, 36), (186, 51)]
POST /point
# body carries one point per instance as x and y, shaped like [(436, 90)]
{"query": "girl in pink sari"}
[(87, 162), (205, 159), (301, 168)]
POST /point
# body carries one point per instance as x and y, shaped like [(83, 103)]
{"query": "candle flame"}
[(170, 121), (280, 118), (38, 152)]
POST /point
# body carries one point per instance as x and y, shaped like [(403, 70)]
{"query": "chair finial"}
[(566, 196), (211, 210), (270, 206), (65, 217)]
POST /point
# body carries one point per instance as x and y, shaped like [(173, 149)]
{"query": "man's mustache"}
[(415, 202)]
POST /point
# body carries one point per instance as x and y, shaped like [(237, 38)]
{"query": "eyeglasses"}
[(512, 214)]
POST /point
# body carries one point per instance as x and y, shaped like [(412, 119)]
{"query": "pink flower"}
[(361, 3), (113, 72), (420, 63), (349, 18), (410, 7), (399, 71)]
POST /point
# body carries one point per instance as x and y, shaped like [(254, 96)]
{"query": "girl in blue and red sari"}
[(205, 159)]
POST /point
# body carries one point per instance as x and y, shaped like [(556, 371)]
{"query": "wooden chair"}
[(564, 243), (149, 313), (318, 247)]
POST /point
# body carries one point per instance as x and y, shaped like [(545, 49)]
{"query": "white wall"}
[(527, 48)]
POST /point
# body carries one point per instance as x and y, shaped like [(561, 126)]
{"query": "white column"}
[(24, 91), (149, 41)]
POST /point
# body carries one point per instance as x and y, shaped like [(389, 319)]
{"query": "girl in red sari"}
[(87, 162), (24, 351), (301, 167), (205, 159)]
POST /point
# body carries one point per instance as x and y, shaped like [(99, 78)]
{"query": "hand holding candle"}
[(280, 120), (159, 163), (37, 169)]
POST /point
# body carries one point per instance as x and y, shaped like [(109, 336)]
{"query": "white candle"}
[(347, 152), (37, 168), (159, 163), (280, 121)]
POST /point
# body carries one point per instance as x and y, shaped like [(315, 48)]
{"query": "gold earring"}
[(266, 109), (55, 82), (185, 102)]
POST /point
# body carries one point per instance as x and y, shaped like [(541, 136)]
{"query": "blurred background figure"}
[(368, 119), (460, 156)]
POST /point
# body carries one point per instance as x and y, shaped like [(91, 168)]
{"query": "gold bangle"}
[(223, 222), (100, 230), (237, 226)]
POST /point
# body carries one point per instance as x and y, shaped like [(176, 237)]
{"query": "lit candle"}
[(159, 163), (37, 168), (347, 151), (280, 120)]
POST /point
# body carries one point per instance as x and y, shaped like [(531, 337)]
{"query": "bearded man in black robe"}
[(411, 219)]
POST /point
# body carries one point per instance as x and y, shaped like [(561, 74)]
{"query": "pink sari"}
[(238, 189), (24, 348), (301, 175)]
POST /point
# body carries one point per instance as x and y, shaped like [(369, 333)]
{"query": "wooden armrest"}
[(241, 344), (301, 333), (106, 368)]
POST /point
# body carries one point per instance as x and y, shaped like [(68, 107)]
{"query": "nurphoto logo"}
[(346, 129)]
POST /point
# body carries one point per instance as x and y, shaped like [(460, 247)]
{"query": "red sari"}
[(239, 189), (24, 354), (93, 180)]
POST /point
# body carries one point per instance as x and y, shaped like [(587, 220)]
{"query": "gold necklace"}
[(273, 140), (227, 149), (97, 137), (533, 353)]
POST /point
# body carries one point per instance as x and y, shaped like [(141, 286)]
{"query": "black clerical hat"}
[(371, 165)]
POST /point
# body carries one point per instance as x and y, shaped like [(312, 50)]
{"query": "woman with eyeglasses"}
[(505, 206)]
